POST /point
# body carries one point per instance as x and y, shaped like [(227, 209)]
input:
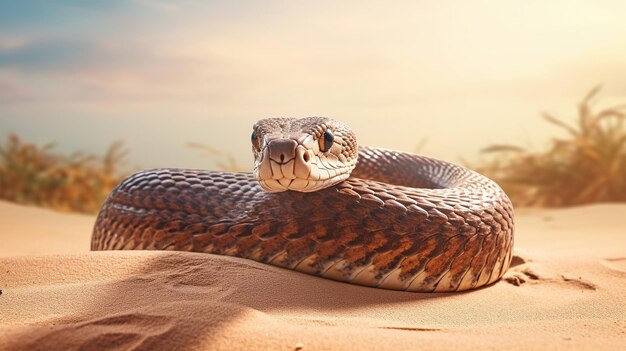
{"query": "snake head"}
[(305, 154)]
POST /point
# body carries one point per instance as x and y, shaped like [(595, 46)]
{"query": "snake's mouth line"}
[(295, 175)]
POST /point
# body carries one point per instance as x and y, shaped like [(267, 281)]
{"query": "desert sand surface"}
[(566, 290)]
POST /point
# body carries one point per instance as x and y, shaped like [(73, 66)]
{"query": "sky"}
[(452, 76)]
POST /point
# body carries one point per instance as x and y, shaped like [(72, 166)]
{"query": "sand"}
[(566, 290)]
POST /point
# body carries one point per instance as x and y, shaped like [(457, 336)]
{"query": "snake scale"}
[(318, 203)]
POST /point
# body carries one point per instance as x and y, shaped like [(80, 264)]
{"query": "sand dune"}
[(567, 290)]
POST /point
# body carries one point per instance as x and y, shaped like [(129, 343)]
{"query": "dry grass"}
[(586, 166), (31, 174)]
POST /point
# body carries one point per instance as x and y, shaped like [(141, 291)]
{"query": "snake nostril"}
[(306, 157)]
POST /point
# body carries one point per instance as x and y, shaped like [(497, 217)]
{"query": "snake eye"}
[(326, 142), (255, 140)]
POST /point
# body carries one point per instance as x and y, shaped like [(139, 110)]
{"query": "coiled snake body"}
[(391, 220)]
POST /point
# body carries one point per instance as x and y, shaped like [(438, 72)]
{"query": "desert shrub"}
[(588, 165), (31, 174)]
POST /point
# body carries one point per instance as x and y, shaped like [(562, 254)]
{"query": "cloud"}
[(161, 5), (11, 91), (42, 13), (49, 54), (100, 69), (13, 42), (292, 55)]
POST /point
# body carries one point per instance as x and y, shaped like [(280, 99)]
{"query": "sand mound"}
[(564, 291)]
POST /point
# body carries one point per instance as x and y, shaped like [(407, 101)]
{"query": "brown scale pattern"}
[(401, 221)]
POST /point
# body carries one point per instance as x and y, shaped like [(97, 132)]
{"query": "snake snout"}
[(282, 150), (284, 162)]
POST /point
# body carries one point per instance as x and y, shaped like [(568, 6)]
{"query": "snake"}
[(316, 202)]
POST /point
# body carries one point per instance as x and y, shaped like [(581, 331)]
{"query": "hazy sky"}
[(461, 74)]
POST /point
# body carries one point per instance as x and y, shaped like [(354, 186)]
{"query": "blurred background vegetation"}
[(37, 175), (587, 165)]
